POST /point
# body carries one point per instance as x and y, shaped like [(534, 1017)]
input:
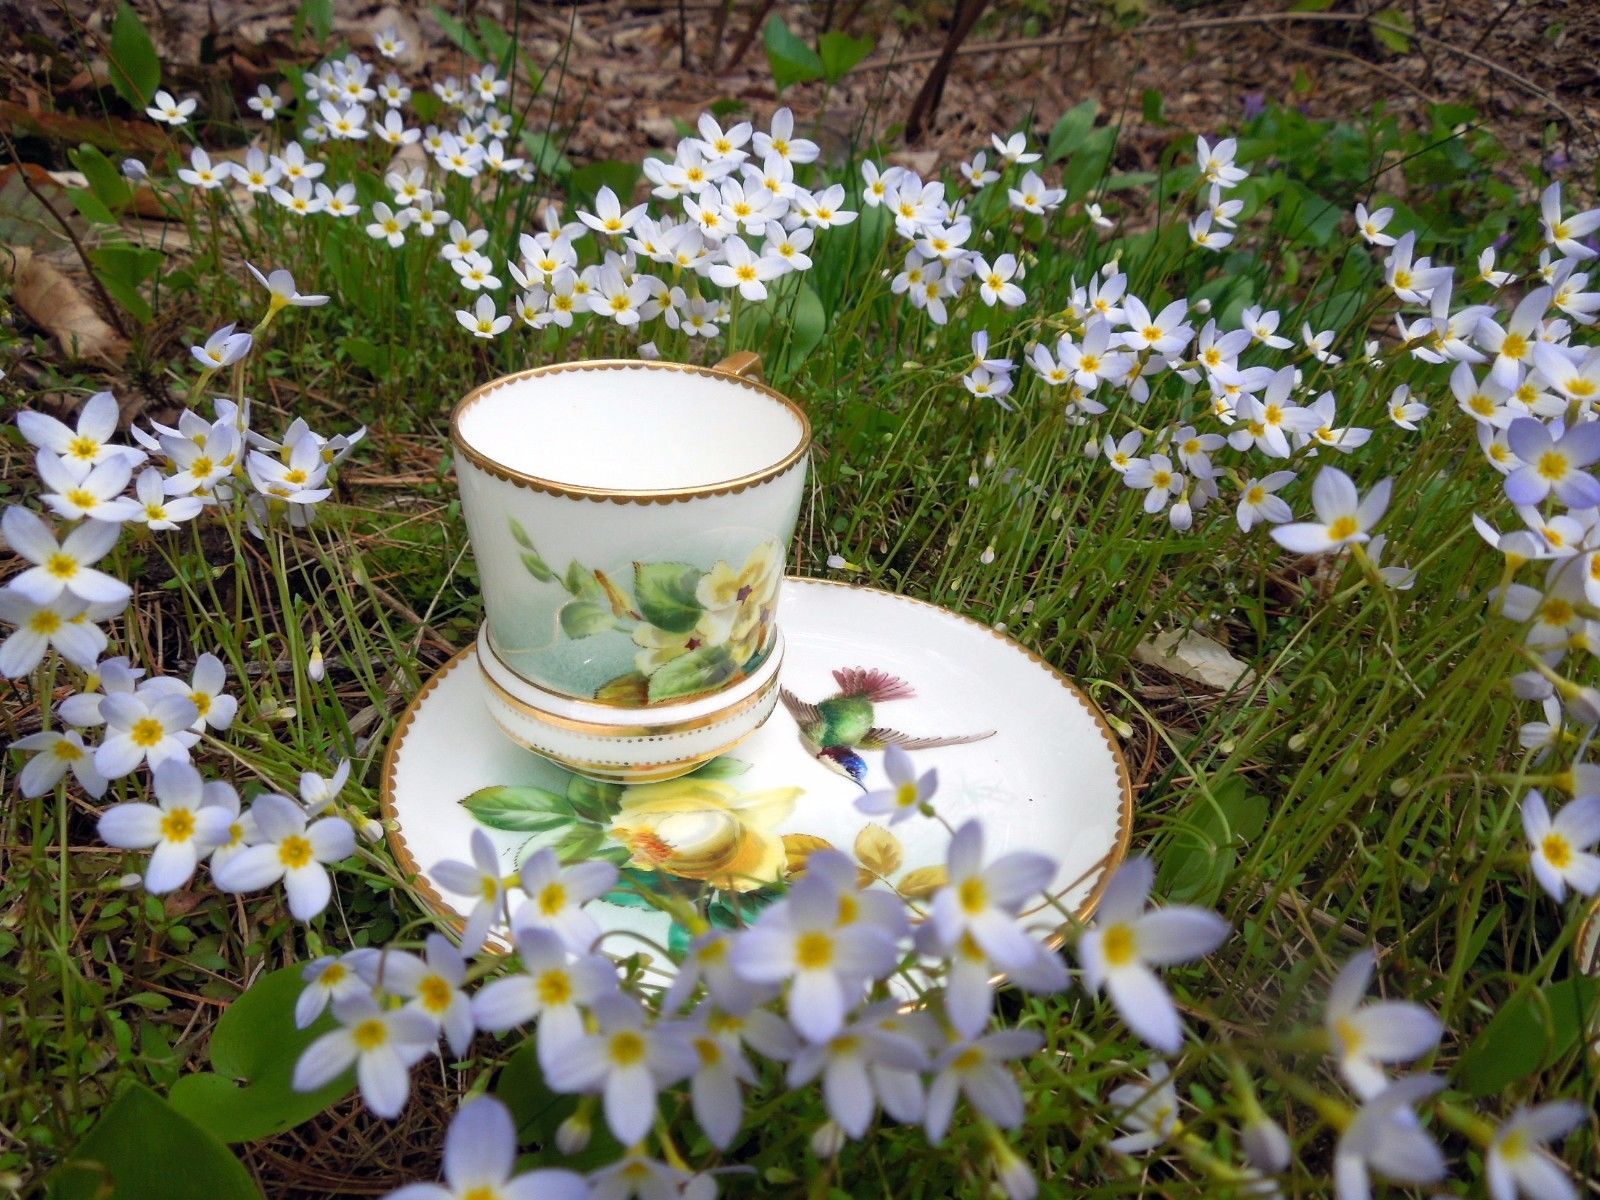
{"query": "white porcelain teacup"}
[(630, 520)]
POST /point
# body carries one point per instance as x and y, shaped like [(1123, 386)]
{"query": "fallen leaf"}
[(54, 303), (879, 852), (1195, 657), (923, 882)]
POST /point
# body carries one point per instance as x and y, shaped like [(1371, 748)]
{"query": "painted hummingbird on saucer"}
[(835, 729)]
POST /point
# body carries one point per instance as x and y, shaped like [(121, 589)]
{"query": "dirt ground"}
[(1532, 67)]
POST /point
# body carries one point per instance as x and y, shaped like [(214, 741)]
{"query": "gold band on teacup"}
[(602, 729), (742, 369), (622, 772)]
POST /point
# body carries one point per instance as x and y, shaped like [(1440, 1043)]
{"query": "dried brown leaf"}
[(56, 305), (879, 851)]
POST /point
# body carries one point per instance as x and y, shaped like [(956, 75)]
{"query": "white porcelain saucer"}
[(1050, 778)]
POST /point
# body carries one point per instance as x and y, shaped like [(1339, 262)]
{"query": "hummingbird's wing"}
[(805, 715), (878, 737)]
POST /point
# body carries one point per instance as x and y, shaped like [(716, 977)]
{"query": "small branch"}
[(112, 311)]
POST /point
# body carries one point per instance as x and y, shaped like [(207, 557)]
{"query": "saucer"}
[(1023, 749)]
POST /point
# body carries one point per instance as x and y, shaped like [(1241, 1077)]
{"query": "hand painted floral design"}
[(706, 829), (696, 630)]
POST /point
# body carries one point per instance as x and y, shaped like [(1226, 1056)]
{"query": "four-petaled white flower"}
[(482, 321), (168, 111), (480, 1156), (55, 752), (1559, 847), (1343, 517), (625, 1061), (1125, 941), (384, 1044), (65, 566), (1385, 1136), (180, 826), (907, 792), (482, 878), (1366, 1035), (554, 986), (556, 896), (144, 726), (289, 849), (1517, 1162)]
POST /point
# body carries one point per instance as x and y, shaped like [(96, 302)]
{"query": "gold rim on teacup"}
[(742, 368)]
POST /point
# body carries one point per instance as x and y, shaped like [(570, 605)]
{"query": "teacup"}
[(630, 521)]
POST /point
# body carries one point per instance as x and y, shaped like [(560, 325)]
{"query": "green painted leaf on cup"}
[(666, 595), (580, 842), (536, 567), (593, 799), (721, 768), (581, 619), (581, 583), (520, 809), (698, 671), (519, 535)]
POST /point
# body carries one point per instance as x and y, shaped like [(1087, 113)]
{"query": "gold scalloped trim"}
[(551, 487), (1108, 863)]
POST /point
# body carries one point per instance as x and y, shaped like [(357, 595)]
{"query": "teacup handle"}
[(744, 363)]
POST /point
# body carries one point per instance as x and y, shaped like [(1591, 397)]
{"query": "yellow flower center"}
[(435, 993), (1151, 333), (1581, 389), (82, 447), (710, 1051), (62, 566), (1515, 346), (147, 732), (1161, 479), (554, 988), (201, 467), (178, 825), (974, 896), (334, 975), (82, 498), (66, 751), (202, 702), (370, 1034), (45, 622), (1088, 362), (553, 898), (482, 1192), (155, 512), (1552, 465), (1514, 1145), (1557, 850), (813, 951), (1255, 495), (1402, 279), (849, 909), (746, 273), (968, 1060), (906, 794), (1556, 611), (1481, 405), (1120, 946), (626, 1048), (1349, 1035), (294, 852), (1343, 527), (995, 281)]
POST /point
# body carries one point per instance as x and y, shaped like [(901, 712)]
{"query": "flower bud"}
[(828, 1140), (134, 171), (572, 1135), (315, 667), (1531, 685), (1013, 1174), (1202, 306), (372, 830), (1298, 742), (700, 1187), (130, 881), (987, 556), (1265, 1143), (648, 351)]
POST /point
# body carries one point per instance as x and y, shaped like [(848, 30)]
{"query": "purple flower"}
[(1254, 104)]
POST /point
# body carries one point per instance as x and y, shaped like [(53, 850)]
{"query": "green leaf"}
[(838, 52), (1153, 107), (593, 799), (666, 595), (538, 1111), (253, 1050), (544, 152), (579, 843), (366, 354), (581, 619), (1305, 216), (519, 809), (698, 671), (494, 38), (105, 180), (135, 68), (1070, 130), (1392, 28), (123, 270), (581, 583), (792, 61), (1206, 846), (317, 15), (1089, 163), (142, 1146), (808, 322), (721, 768), (537, 567), (1535, 1028), (458, 33), (519, 535), (631, 690), (89, 206), (620, 177)]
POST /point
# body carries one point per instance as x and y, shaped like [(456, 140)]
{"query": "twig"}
[(927, 99), (1399, 81), (1155, 28), (83, 255)]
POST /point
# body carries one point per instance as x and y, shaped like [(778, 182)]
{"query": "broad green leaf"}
[(593, 799), (839, 52), (698, 671), (458, 33), (142, 1146), (135, 68), (1070, 130), (1206, 845), (105, 180), (1306, 216), (1089, 162), (1392, 28), (494, 39), (253, 1052), (1153, 107), (579, 843), (537, 1111), (519, 809), (581, 619), (123, 270), (792, 61), (620, 177), (721, 768), (581, 583), (544, 152), (666, 595), (366, 354), (89, 206), (1533, 1029), (808, 322), (537, 567)]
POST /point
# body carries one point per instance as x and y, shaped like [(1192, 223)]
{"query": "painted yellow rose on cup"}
[(706, 829)]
